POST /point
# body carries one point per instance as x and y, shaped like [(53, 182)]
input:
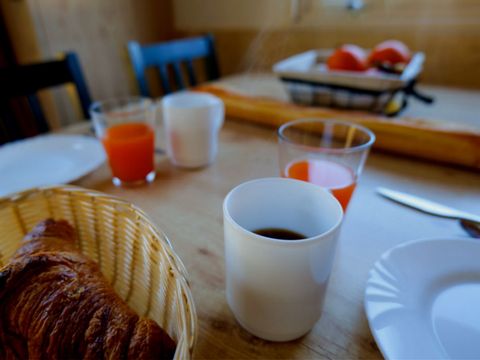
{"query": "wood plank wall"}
[(252, 35), (96, 30)]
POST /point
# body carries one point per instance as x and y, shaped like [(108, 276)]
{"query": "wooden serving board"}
[(414, 137)]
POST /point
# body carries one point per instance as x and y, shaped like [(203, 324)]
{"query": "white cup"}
[(276, 288), (192, 122)]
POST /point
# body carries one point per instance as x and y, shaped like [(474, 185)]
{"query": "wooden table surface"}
[(187, 205)]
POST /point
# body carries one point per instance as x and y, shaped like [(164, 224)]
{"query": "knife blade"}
[(427, 206)]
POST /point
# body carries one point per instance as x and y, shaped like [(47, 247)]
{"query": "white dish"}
[(310, 66), (422, 300), (47, 160)]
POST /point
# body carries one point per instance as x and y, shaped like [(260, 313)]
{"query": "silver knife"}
[(427, 206)]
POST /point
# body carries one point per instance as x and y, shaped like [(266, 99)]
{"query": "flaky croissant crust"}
[(56, 304)]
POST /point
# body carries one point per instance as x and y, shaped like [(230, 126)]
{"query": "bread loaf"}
[(413, 137)]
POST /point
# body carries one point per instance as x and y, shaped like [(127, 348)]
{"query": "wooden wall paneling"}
[(452, 58), (447, 31)]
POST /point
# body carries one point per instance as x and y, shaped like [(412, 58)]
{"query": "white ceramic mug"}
[(192, 122), (276, 288)]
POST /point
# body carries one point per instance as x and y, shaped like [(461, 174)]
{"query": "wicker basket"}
[(136, 258), (308, 81)]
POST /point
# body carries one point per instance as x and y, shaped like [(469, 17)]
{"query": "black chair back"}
[(23, 81)]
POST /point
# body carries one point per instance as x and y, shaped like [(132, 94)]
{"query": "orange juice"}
[(130, 149), (333, 176)]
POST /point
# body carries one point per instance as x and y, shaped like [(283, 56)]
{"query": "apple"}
[(391, 52), (348, 57)]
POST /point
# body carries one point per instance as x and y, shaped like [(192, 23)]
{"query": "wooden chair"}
[(173, 54), (23, 81)]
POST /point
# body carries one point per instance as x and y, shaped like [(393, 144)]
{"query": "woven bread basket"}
[(136, 258)]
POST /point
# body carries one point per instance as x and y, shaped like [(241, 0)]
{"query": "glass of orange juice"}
[(328, 153), (126, 127)]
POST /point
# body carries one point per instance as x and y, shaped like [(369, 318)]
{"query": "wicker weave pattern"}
[(135, 257)]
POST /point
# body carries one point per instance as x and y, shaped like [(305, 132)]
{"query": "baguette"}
[(418, 138)]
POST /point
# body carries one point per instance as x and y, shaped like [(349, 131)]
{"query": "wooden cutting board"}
[(414, 137)]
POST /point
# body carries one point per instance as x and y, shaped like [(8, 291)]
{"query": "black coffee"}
[(281, 234)]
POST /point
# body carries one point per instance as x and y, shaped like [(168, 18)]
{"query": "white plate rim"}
[(387, 253), (94, 162)]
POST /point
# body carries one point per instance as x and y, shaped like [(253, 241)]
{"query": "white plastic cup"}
[(276, 288), (192, 122)]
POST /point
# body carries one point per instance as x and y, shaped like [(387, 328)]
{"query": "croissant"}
[(56, 304)]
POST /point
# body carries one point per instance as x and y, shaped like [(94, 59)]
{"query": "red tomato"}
[(390, 51), (348, 57)]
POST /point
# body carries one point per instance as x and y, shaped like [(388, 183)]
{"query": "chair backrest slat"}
[(73, 64), (139, 67), (163, 72), (173, 53), (37, 111), (9, 129), (177, 72), (191, 73), (211, 61)]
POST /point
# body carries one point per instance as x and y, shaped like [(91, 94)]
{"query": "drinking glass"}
[(126, 127), (328, 153)]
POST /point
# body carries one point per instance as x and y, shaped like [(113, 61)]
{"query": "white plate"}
[(47, 160), (423, 300)]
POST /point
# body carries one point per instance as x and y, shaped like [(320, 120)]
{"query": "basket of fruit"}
[(350, 77)]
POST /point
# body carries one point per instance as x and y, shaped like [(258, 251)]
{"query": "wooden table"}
[(187, 205)]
